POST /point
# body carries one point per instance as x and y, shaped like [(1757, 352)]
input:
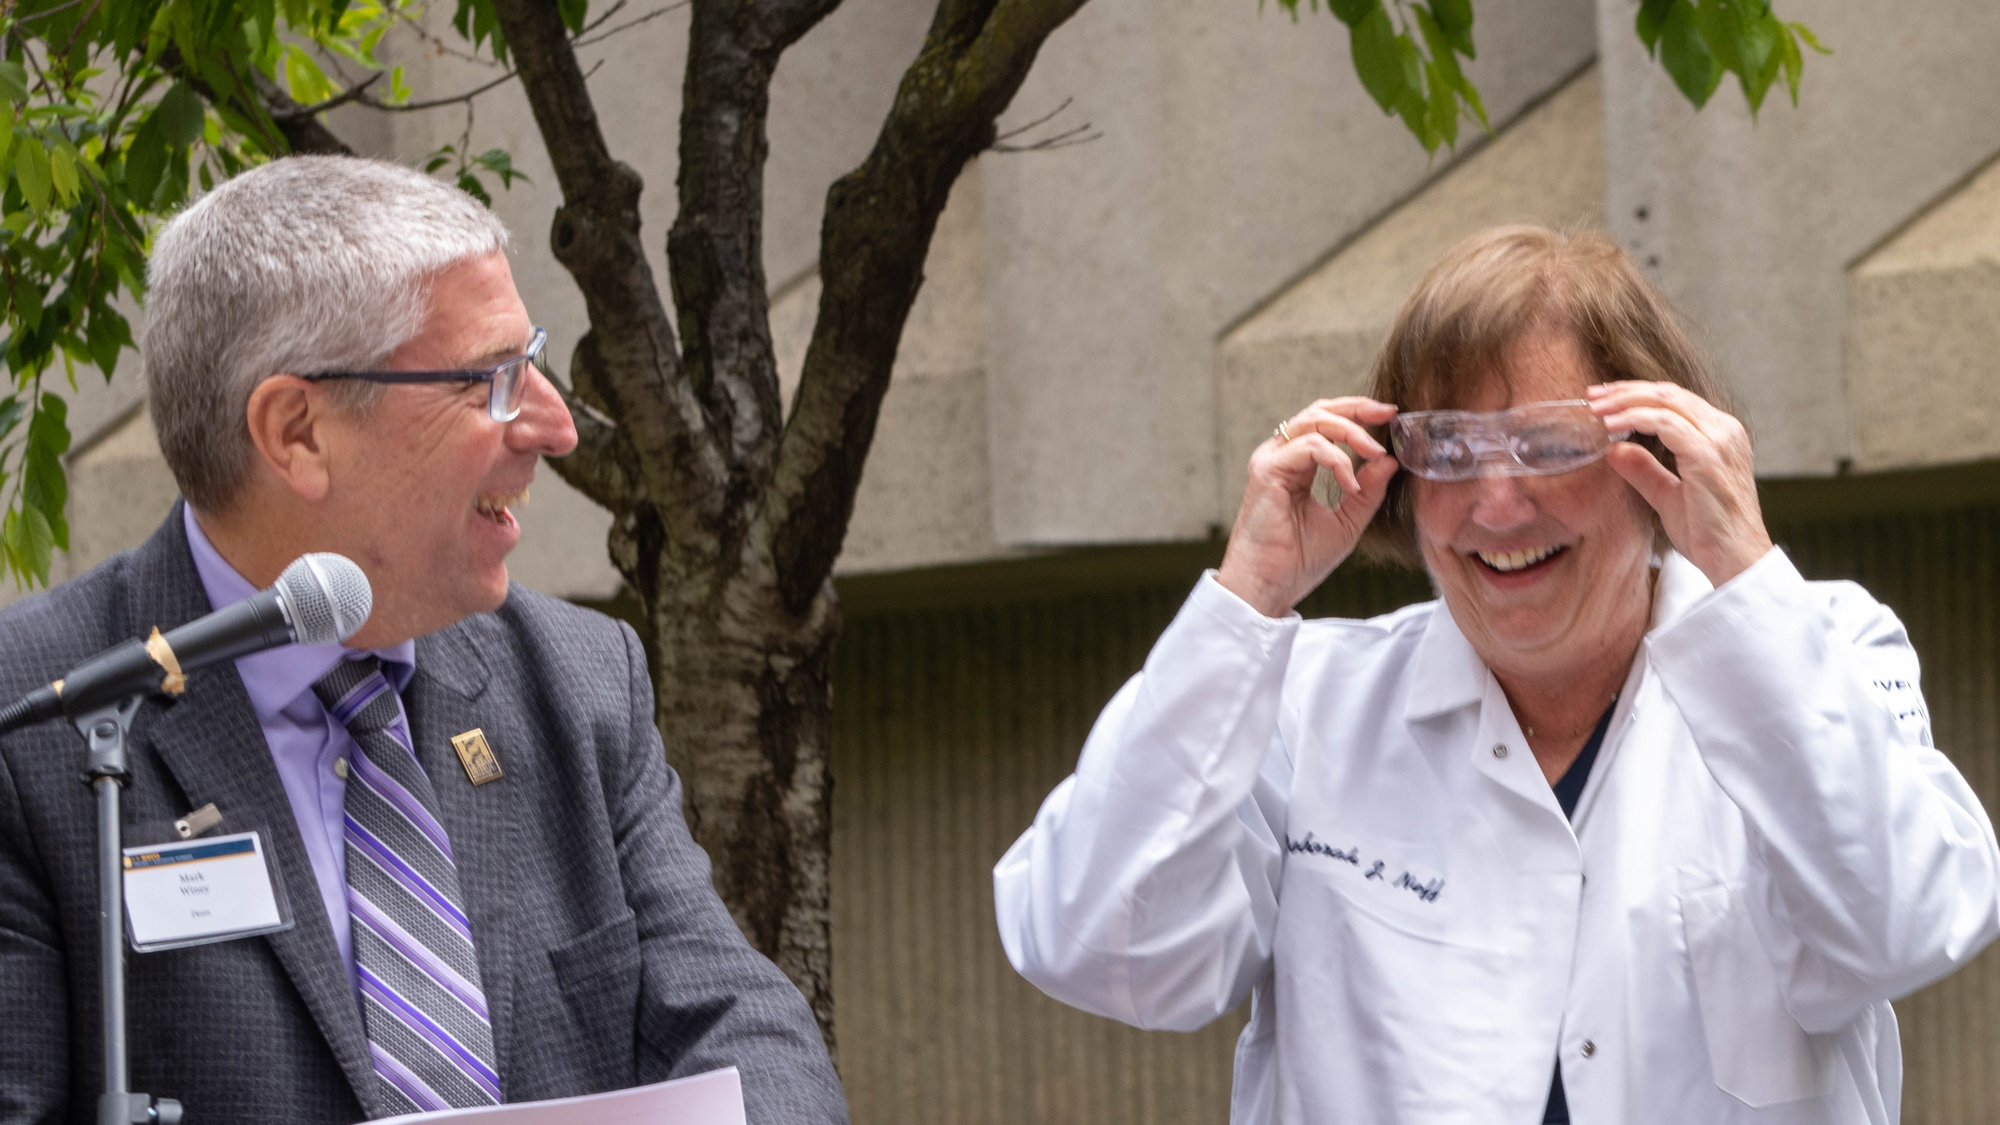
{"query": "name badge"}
[(203, 890)]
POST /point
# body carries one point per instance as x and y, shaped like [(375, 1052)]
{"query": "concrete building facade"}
[(1106, 330)]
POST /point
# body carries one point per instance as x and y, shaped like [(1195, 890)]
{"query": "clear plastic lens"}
[(505, 403), (1535, 439), (510, 382)]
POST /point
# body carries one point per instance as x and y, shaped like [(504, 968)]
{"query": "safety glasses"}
[(506, 381), (1534, 439)]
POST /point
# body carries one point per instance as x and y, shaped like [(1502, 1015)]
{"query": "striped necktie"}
[(421, 1001)]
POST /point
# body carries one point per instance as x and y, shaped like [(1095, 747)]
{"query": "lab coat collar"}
[(1449, 675), (1681, 584)]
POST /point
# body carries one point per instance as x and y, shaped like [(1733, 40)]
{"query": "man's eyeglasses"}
[(1533, 439), (506, 381)]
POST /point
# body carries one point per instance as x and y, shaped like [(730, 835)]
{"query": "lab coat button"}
[(1589, 1048), (1499, 749)]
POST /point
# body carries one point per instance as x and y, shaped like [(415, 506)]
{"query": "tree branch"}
[(598, 466), (879, 221), (356, 92), (715, 250), (584, 38), (434, 103), (631, 349), (301, 134)]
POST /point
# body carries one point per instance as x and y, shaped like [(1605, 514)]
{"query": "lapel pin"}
[(476, 756)]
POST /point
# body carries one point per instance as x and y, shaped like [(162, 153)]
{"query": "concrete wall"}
[(1237, 150), (1922, 336), (1751, 225)]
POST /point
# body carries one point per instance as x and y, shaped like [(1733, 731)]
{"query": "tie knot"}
[(358, 696)]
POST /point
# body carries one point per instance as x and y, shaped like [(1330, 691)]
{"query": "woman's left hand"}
[(1710, 509)]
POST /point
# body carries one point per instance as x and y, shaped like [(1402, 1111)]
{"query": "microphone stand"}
[(107, 770)]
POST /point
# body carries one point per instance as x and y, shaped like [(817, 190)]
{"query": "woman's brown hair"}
[(1491, 290)]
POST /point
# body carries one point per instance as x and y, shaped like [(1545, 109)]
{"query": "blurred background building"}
[(1106, 330)]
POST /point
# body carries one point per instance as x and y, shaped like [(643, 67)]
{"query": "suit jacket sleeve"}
[(34, 1049), (707, 999)]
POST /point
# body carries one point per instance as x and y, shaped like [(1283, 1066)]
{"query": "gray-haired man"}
[(337, 360)]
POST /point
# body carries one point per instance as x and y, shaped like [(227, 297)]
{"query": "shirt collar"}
[(1448, 674), (277, 676)]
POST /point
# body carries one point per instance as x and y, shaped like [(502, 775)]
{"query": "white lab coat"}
[(1342, 820)]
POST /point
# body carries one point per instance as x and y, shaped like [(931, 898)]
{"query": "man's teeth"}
[(495, 507), (1515, 560)]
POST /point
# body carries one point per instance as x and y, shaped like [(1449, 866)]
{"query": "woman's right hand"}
[(1285, 541)]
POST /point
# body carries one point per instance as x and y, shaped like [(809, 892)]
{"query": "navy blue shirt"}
[(1568, 788)]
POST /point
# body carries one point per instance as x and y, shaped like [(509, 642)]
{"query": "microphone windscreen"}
[(328, 596)]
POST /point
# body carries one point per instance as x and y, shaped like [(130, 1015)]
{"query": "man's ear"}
[(288, 425)]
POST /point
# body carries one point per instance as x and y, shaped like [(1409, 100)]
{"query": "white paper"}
[(715, 1098), (213, 887)]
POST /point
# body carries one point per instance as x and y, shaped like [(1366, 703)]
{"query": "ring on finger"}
[(1281, 433)]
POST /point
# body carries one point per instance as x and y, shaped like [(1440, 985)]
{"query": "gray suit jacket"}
[(607, 959)]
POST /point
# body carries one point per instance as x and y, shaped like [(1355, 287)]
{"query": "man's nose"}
[(544, 425), (1502, 504)]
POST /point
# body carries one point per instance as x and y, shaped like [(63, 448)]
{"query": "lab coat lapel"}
[(212, 744), (446, 698), (1447, 674), (1447, 677)]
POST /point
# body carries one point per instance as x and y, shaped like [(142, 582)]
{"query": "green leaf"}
[(44, 486), (107, 337), (145, 159), (309, 84), (31, 170), (573, 13), (1794, 63), (1454, 19), (6, 137), (37, 542), (1415, 111), (180, 114), (1440, 47), (1378, 60), (1716, 20), (13, 545), (1687, 57), (470, 185), (62, 173), (1443, 105), (1812, 40), (12, 408), (1413, 64), (1757, 84), (13, 82), (1352, 12), (1652, 15)]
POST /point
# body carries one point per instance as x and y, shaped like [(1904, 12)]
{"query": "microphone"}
[(319, 599)]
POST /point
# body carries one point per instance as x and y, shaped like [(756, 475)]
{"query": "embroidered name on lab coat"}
[(1427, 890)]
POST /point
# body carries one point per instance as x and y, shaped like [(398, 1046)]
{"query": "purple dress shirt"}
[(310, 749)]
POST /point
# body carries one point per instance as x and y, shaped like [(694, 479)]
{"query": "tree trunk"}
[(729, 514), (744, 696)]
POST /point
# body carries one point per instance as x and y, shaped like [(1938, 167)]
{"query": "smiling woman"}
[(1726, 847)]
